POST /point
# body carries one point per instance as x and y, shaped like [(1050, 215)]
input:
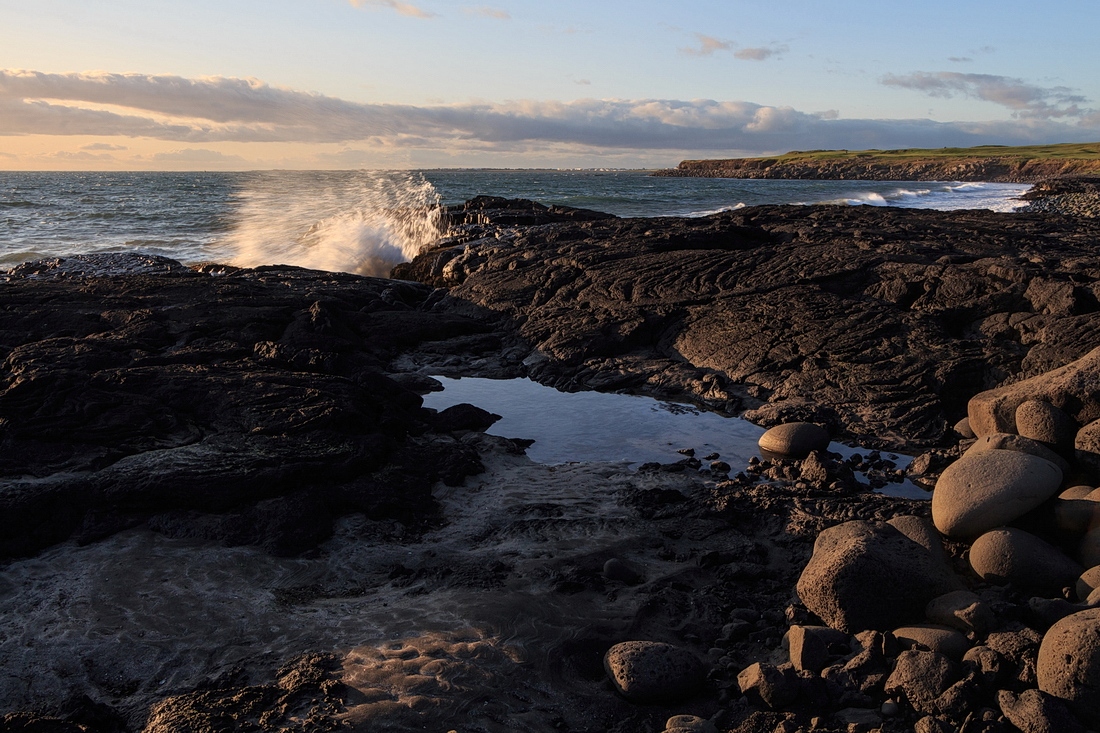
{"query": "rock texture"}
[(868, 576), (1069, 664), (248, 406), (876, 322)]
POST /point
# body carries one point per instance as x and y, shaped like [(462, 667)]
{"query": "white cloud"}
[(196, 155), (202, 111), (1025, 100), (403, 8)]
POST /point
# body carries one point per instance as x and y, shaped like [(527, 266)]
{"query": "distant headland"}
[(1023, 164)]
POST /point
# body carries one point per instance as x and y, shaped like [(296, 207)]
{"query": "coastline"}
[(271, 418)]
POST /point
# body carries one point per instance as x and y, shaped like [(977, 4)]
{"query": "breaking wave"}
[(362, 222)]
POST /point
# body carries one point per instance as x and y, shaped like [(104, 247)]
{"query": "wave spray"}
[(363, 222)]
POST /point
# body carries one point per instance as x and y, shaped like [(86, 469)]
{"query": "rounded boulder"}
[(1088, 582), (984, 490), (652, 671), (794, 439), (1014, 556), (1042, 421), (1020, 444), (1069, 664)]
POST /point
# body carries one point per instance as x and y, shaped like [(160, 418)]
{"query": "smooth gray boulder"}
[(865, 575), (794, 439), (652, 671), (1011, 555), (984, 490), (1069, 664)]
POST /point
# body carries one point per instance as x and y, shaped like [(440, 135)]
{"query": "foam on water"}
[(364, 223)]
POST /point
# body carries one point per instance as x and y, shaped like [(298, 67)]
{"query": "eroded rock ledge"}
[(881, 322)]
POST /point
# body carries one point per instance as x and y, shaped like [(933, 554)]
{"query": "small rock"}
[(962, 428), (773, 686), (652, 671), (946, 641), (862, 717), (1068, 666), (808, 646), (984, 490), (720, 467), (921, 677), (962, 610), (889, 709), (794, 439), (1014, 556), (1076, 492), (689, 724), (1034, 711)]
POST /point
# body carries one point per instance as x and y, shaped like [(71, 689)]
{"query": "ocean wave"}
[(364, 223)]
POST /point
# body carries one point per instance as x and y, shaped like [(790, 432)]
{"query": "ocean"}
[(367, 221)]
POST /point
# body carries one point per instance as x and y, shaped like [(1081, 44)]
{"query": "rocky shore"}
[(871, 168), (224, 507)]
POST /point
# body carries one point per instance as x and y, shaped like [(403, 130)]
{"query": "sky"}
[(348, 84)]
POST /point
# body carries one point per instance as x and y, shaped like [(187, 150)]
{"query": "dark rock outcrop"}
[(251, 406), (877, 322)]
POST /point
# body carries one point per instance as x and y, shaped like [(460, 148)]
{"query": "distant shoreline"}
[(989, 163)]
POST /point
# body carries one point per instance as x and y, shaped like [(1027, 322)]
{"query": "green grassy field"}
[(1063, 151)]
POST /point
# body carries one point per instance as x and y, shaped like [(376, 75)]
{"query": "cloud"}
[(103, 146), (402, 8), (202, 111), (1025, 100), (488, 12), (583, 82), (960, 59), (707, 46), (758, 54)]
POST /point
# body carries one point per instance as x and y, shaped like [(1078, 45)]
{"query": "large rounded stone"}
[(1018, 557), (871, 576), (1008, 441), (1069, 664), (984, 490), (652, 671), (1033, 711), (794, 439), (1042, 421)]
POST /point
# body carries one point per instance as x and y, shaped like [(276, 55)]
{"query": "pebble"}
[(991, 488), (618, 571)]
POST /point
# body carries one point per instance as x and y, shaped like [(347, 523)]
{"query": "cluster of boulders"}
[(983, 617)]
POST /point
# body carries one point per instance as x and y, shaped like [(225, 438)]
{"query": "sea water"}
[(367, 221)]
